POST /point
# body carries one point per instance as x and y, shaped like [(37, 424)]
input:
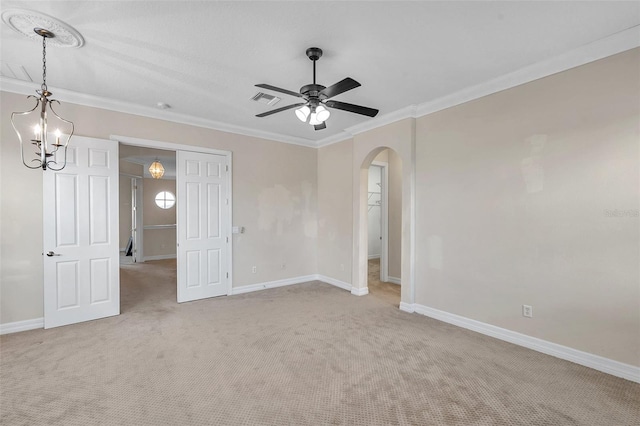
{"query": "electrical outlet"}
[(254, 269), (527, 311)]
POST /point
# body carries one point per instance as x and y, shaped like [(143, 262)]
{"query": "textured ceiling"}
[(203, 58)]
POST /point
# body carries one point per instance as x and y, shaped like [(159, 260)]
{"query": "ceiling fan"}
[(317, 97)]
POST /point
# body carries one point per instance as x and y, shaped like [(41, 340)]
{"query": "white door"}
[(203, 225), (81, 247)]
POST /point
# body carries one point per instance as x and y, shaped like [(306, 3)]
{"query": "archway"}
[(384, 225), (399, 136)]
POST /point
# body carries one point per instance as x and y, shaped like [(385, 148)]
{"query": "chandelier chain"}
[(44, 64)]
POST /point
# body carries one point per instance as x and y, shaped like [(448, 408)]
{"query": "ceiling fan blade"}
[(352, 108), (340, 87), (320, 126), (277, 89), (284, 108)]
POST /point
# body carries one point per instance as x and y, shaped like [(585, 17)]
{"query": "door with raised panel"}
[(80, 238), (203, 225)]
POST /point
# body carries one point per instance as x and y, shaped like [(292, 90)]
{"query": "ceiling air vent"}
[(17, 72), (263, 98)]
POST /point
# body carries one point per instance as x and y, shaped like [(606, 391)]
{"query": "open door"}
[(203, 225), (81, 248)]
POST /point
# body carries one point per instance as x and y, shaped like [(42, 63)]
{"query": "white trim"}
[(383, 120), (407, 307), (167, 226), (384, 218), (340, 284), (586, 359), (169, 146), (15, 327), (28, 88), (393, 280), (599, 49), (273, 284), (172, 146), (374, 256), (611, 45), (159, 257), (359, 291), (330, 140)]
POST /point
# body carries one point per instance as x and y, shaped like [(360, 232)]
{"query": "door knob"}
[(52, 254)]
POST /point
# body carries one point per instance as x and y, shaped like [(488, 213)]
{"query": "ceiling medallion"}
[(23, 21)]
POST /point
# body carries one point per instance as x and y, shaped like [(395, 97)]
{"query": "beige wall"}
[(394, 170), (266, 174), (512, 196), (335, 212), (158, 242), (395, 214), (527, 196)]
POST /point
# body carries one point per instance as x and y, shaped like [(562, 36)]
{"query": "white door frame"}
[(384, 220), (136, 192), (172, 146)]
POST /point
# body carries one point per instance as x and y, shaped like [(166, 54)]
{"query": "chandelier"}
[(156, 169), (50, 147)]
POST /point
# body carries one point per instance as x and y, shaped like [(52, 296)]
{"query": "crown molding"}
[(616, 43), (383, 120), (338, 137), (599, 49), (27, 88)]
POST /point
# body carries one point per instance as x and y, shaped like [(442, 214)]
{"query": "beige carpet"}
[(386, 292), (308, 354)]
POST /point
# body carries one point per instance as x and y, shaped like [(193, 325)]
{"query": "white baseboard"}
[(359, 291), (407, 307), (14, 327), (272, 284), (393, 280), (374, 256), (160, 257), (606, 365), (341, 284)]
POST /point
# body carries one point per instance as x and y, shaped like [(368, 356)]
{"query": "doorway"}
[(147, 214), (384, 224)]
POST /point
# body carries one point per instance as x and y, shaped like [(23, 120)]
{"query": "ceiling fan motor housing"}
[(314, 53), (312, 91)]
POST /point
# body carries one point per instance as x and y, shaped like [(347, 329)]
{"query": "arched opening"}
[(384, 226)]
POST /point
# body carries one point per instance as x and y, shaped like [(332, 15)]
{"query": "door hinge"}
[(226, 168), (226, 201), (227, 275), (227, 239)]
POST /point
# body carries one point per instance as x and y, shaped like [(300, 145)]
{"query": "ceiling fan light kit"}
[(317, 98)]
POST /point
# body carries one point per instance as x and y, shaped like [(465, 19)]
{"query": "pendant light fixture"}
[(42, 121), (156, 169)]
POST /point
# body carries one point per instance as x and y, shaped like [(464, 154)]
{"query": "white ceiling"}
[(203, 58)]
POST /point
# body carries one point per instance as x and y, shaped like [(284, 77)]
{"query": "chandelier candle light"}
[(47, 154)]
